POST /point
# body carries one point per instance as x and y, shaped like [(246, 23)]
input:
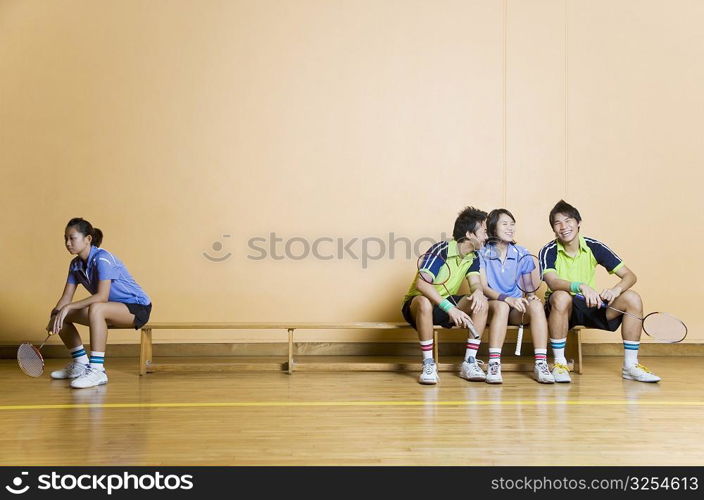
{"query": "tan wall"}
[(172, 123)]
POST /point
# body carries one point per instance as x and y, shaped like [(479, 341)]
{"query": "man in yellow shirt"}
[(568, 264), (427, 304)]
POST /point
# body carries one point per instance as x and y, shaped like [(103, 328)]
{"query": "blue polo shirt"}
[(502, 275), (102, 265), (582, 267)]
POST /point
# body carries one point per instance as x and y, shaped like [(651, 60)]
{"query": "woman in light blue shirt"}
[(500, 259), (116, 300)]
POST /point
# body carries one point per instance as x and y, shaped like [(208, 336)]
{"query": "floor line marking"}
[(236, 404)]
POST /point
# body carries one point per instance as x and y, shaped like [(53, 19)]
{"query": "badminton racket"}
[(30, 358), (434, 270), (659, 325), (527, 277)]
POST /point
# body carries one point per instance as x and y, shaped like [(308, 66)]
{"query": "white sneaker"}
[(561, 373), (542, 374), (640, 373), (493, 376), (429, 375), (72, 370), (472, 371), (90, 378)]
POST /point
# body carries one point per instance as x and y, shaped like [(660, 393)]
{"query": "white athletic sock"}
[(79, 354), (472, 349), (630, 352), (427, 347), (541, 356), (97, 360), (558, 350), (494, 355)]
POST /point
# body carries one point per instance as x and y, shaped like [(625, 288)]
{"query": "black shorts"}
[(440, 317), (590, 317), (141, 314)]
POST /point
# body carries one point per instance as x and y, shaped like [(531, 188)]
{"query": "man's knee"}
[(561, 302), (632, 299), (422, 305)]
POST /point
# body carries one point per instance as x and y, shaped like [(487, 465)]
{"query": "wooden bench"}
[(147, 364)]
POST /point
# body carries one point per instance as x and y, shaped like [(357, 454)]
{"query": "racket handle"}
[(603, 303), (45, 340), (606, 304), (519, 340), (471, 328)]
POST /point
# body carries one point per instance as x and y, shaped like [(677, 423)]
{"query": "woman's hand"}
[(519, 304), (59, 317)]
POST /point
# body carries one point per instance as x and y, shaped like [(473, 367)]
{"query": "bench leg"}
[(145, 351), (290, 351), (578, 357), (574, 350), (436, 348)]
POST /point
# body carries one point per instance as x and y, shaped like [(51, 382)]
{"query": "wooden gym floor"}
[(354, 418)]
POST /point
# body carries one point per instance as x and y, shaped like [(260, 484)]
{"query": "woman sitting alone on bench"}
[(116, 300)]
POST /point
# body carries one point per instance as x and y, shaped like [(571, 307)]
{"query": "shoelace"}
[(642, 367), (428, 368), (75, 366), (90, 371), (560, 366), (543, 368), (494, 368)]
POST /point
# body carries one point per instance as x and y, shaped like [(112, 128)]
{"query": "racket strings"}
[(30, 360), (442, 277), (434, 269), (664, 327), (529, 279), (450, 297), (527, 272), (659, 325), (492, 249)]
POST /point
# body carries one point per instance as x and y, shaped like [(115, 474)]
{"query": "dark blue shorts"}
[(141, 314), (440, 317)]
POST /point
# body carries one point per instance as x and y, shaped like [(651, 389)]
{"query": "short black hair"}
[(467, 221), (562, 207), (493, 219)]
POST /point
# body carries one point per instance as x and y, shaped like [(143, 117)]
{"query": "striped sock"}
[(97, 359), (630, 351), (79, 354), (427, 347), (494, 355), (541, 356), (558, 350), (470, 354)]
